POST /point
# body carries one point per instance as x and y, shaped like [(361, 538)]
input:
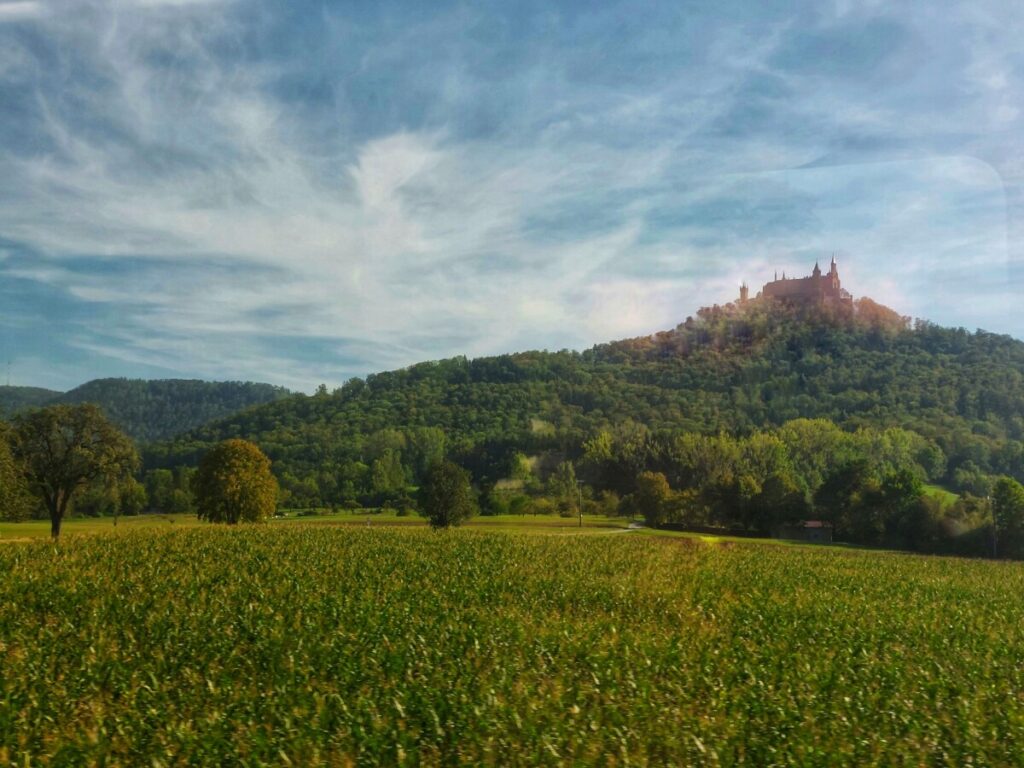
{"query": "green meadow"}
[(310, 643)]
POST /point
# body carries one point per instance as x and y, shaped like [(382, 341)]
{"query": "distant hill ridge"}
[(14, 399), (150, 410)]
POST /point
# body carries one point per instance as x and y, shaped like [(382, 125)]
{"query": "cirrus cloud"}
[(302, 194)]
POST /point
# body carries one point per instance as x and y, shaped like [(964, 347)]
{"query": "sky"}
[(305, 192)]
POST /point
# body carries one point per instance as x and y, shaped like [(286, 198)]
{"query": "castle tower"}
[(744, 292), (816, 272)]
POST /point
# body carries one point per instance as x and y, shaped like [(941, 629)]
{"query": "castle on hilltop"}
[(816, 289)]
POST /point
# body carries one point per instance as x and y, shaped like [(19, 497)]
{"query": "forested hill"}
[(14, 399), (151, 410), (728, 369)]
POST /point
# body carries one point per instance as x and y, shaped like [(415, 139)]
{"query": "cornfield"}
[(313, 645)]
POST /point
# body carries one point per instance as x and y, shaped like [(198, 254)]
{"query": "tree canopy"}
[(15, 500), (445, 496), (1008, 517), (234, 484)]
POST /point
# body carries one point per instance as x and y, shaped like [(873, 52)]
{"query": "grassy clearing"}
[(328, 645), (947, 498), (712, 539), (40, 529)]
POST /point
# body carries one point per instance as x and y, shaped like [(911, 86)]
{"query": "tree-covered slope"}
[(14, 399), (154, 410), (729, 369)]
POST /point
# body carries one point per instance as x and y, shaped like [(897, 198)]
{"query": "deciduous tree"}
[(234, 484), (781, 501), (66, 448), (1008, 516), (562, 487), (651, 496), (445, 496)]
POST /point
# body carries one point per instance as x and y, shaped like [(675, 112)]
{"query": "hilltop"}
[(150, 410)]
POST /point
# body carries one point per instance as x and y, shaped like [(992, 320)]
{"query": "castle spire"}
[(817, 270)]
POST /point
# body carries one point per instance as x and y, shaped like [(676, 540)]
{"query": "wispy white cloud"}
[(164, 3), (306, 199), (20, 9)]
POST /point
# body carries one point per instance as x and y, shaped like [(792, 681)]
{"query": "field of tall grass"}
[(329, 645)]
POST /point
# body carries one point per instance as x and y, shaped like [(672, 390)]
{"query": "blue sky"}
[(304, 192)]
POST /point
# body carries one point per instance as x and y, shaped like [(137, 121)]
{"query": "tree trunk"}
[(56, 508)]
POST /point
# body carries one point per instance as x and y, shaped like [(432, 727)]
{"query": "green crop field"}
[(337, 645)]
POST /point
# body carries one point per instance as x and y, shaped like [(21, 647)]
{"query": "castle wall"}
[(797, 288), (815, 288)]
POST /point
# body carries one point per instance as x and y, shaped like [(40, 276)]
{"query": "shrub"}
[(542, 506), (519, 505)]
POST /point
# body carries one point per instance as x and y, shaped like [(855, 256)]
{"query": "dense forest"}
[(728, 370), (150, 410)]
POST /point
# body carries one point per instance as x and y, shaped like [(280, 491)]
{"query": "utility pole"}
[(995, 528), (579, 490)]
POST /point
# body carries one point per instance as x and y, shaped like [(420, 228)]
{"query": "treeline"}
[(61, 460), (158, 490), (150, 410), (868, 484)]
